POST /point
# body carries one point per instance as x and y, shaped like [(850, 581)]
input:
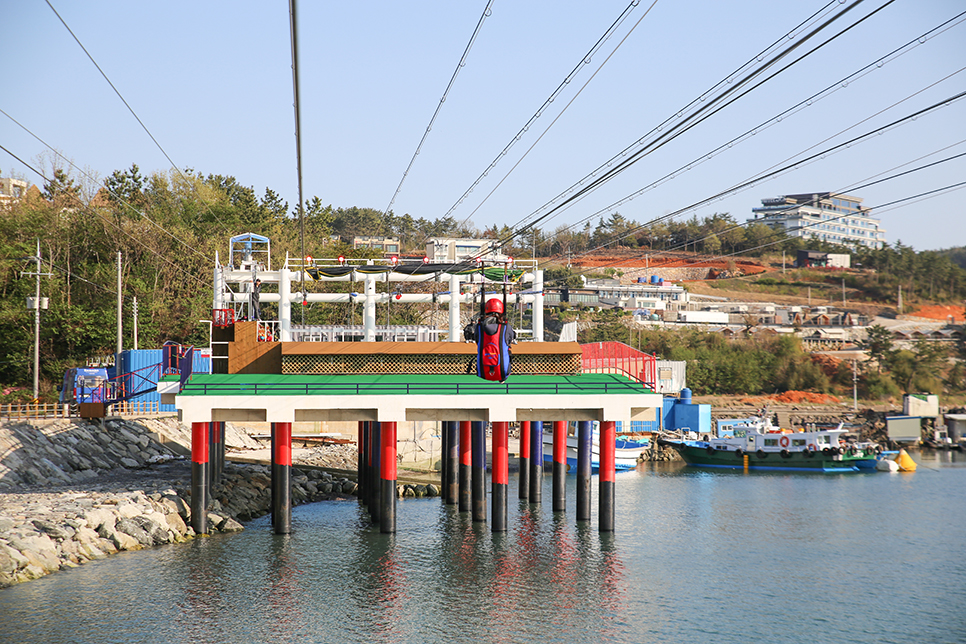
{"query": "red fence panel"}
[(617, 357)]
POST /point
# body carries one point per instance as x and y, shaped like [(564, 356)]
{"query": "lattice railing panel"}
[(423, 364)]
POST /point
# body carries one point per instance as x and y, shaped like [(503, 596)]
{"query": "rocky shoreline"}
[(73, 492)]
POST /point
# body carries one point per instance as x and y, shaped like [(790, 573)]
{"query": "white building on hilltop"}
[(12, 190), (828, 217)]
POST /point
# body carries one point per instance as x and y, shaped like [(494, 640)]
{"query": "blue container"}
[(137, 368), (654, 279), (686, 396), (696, 418)]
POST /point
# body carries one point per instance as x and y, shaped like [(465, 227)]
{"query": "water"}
[(698, 556)]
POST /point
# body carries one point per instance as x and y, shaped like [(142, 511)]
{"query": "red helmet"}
[(494, 305)]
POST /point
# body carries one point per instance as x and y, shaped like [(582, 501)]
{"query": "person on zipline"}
[(493, 336)]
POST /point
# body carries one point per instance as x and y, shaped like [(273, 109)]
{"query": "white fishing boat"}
[(627, 448)]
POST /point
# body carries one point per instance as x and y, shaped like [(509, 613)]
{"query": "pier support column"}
[(536, 461), (361, 461), (375, 469), (585, 437), (452, 487), (607, 448), (216, 452), (199, 477), (559, 465), (212, 457), (466, 464), (282, 486), (387, 492), (479, 470), (524, 491), (221, 449), (501, 474), (443, 458)]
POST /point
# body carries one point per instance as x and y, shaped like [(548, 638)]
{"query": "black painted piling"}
[(199, 477), (282, 485), (524, 489), (584, 450), (536, 461), (479, 470)]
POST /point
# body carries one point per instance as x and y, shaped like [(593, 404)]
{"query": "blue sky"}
[(213, 84)]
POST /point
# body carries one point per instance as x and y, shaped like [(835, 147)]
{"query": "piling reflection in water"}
[(669, 574)]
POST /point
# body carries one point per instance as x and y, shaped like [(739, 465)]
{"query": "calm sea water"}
[(698, 556)]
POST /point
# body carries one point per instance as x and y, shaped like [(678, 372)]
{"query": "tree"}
[(61, 190), (878, 344), (274, 207), (126, 188)]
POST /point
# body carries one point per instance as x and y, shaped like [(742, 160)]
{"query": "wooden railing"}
[(17, 411), (25, 411)]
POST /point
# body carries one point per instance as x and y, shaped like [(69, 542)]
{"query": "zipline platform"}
[(396, 398)]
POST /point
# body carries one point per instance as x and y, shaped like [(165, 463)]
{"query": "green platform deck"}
[(302, 398), (401, 385)]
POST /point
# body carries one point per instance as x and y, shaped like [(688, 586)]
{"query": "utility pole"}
[(36, 303), (120, 300), (843, 291), (134, 302), (855, 388)]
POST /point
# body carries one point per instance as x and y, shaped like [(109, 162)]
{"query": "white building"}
[(12, 190), (828, 217), (443, 250)]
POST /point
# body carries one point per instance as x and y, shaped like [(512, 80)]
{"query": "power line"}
[(486, 13), (794, 165), (584, 61), (676, 130), (781, 235), (86, 174), (97, 214), (801, 105), (128, 106)]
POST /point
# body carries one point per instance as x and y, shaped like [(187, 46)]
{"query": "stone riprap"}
[(73, 491)]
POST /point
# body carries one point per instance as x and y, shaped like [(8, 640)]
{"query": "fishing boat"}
[(627, 452), (756, 444)]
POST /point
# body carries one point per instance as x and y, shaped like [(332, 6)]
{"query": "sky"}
[(212, 83)]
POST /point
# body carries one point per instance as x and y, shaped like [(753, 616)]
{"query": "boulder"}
[(56, 531), (99, 516), (131, 528), (158, 532)]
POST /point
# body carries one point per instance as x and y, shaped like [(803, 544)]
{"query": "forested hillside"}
[(168, 227)]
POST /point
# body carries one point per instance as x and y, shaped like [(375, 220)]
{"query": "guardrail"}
[(402, 388), (24, 411), (27, 411)]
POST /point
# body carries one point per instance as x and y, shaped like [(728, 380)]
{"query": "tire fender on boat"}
[(739, 453), (761, 454), (710, 449), (786, 454)]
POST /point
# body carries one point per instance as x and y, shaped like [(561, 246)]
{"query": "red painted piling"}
[(608, 440), (282, 486), (466, 464), (199, 477), (500, 478), (559, 465), (387, 466)]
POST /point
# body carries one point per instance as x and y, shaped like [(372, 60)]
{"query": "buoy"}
[(886, 465), (905, 462)]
